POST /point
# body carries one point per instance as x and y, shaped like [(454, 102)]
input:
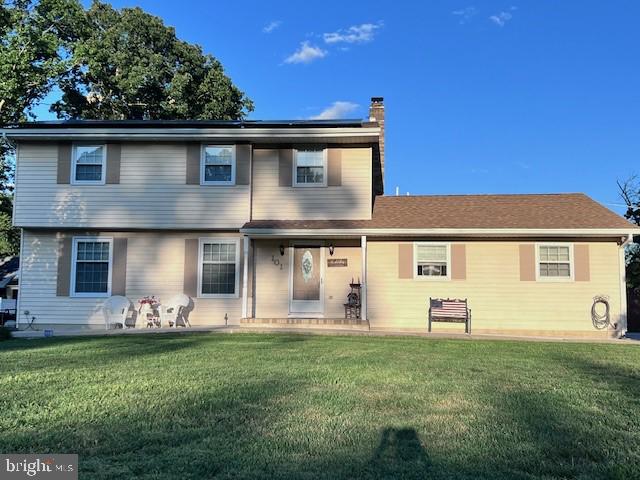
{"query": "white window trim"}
[(202, 164), (571, 276), (234, 241), (74, 259), (325, 167), (426, 277), (74, 160)]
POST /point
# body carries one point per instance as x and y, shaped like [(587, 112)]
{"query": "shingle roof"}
[(542, 211)]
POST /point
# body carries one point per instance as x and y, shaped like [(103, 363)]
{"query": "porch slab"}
[(306, 323)]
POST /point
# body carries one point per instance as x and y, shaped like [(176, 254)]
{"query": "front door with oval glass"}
[(306, 280)]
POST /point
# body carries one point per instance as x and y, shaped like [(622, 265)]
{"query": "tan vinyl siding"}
[(350, 201), (151, 194), (155, 266), (499, 300)]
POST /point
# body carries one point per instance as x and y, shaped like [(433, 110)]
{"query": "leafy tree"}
[(9, 235), (33, 40), (630, 193), (128, 64)]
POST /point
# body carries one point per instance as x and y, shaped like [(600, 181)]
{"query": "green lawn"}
[(300, 406)]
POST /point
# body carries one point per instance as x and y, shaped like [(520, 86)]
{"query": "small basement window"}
[(89, 165), (218, 165), (432, 260), (310, 168)]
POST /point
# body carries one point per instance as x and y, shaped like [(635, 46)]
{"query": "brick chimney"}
[(376, 114)]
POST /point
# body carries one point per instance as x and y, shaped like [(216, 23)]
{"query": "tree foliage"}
[(108, 64), (630, 193), (128, 64)]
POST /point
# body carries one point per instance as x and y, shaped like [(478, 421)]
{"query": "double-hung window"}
[(555, 261), (91, 266), (219, 267), (218, 165), (310, 168), (432, 260), (89, 165)]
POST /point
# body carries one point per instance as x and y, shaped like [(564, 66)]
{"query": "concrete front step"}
[(304, 323)]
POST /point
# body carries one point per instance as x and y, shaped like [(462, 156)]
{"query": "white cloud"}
[(465, 14), (307, 53), (271, 26), (501, 18), (337, 109), (355, 34)]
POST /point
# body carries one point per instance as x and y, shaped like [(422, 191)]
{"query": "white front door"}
[(306, 280)]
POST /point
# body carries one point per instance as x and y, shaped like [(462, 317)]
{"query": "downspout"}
[(622, 323)]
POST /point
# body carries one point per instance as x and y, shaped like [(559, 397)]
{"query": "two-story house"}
[(270, 222)]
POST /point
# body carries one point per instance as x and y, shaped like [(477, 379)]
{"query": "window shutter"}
[(405, 260), (581, 263), (285, 167), (335, 167), (191, 267), (458, 262), (119, 269), (527, 263), (243, 164), (64, 266), (113, 163), (193, 163), (64, 162)]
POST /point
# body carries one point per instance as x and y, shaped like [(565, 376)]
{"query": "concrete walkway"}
[(630, 339)]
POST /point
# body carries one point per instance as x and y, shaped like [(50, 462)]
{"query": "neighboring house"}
[(266, 222), (9, 275)]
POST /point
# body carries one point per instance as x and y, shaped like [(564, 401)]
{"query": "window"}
[(218, 166), (219, 267), (89, 165), (310, 168), (432, 260), (91, 267), (555, 262)]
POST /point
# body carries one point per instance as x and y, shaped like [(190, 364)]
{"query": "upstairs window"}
[(218, 166), (310, 168), (89, 165), (555, 262), (432, 260), (91, 268)]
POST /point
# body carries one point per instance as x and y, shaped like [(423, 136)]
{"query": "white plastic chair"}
[(170, 311), (115, 310)]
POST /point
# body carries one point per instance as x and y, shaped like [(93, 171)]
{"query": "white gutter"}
[(622, 266), (262, 134), (439, 232)]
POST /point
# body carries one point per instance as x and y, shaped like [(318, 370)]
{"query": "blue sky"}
[(481, 97)]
